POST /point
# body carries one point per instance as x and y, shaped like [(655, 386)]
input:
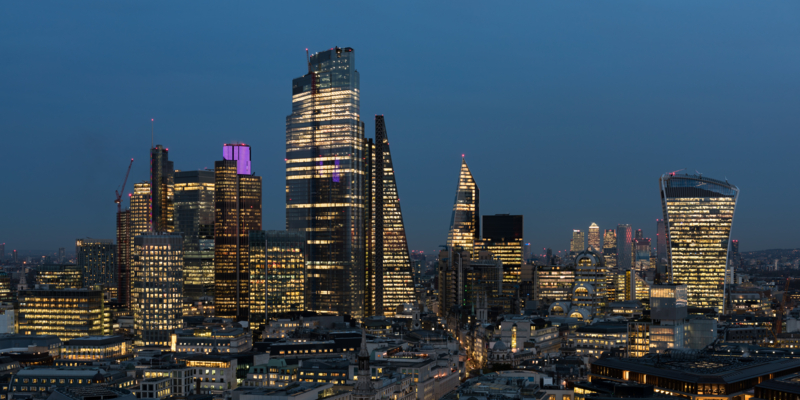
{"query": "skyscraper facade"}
[(257, 251), (162, 180), (60, 276), (577, 244), (325, 181), (285, 277), (594, 238), (237, 210), (610, 248), (97, 258), (624, 247), (158, 284), (391, 279), (62, 255), (698, 213), (123, 256), (465, 220), (139, 224), (502, 237), (661, 248), (194, 218)]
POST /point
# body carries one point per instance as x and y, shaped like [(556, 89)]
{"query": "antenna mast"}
[(152, 132)]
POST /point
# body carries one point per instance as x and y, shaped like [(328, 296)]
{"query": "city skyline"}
[(745, 126)]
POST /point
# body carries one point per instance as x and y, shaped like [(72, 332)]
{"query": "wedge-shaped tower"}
[(391, 276), (465, 221)]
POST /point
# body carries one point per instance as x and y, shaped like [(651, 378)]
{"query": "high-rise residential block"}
[(66, 313), (465, 220), (194, 219), (610, 247), (577, 243), (594, 238), (502, 237), (123, 256), (97, 258), (237, 210), (326, 182), (698, 213), (390, 279), (139, 224), (162, 180), (157, 281)]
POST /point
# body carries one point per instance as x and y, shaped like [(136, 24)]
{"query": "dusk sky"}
[(568, 112)]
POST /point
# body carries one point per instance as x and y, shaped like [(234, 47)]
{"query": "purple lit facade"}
[(240, 153)]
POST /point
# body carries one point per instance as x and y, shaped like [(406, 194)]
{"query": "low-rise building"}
[(38, 380), (92, 348), (276, 373), (226, 339), (167, 380), (598, 338), (217, 373)]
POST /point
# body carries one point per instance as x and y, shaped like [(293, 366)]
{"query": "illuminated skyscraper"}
[(97, 258), (257, 251), (698, 213), (277, 275), (139, 225), (594, 238), (610, 248), (158, 283), (123, 256), (162, 180), (194, 218), (465, 220), (502, 237), (661, 248), (325, 181), (577, 244), (237, 200), (391, 279)]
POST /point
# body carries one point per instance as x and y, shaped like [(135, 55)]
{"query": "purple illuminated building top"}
[(240, 153)]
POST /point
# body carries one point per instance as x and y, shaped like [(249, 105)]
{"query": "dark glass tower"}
[(194, 218), (502, 236), (97, 258), (698, 213), (237, 210), (162, 179), (123, 257), (325, 181), (390, 277)]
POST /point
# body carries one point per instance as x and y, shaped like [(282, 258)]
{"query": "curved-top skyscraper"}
[(698, 214), (325, 182), (465, 220)]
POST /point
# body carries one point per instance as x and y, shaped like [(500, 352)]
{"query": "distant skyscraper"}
[(502, 236), (237, 199), (194, 218), (594, 238), (661, 249), (162, 179), (639, 234), (97, 258), (527, 252), (735, 257), (123, 256), (158, 285), (326, 184), (698, 213), (390, 280), (624, 247), (139, 224), (610, 248), (577, 244), (257, 251), (15, 258), (62, 255), (465, 220)]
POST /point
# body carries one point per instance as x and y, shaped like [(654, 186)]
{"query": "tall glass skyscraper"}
[(502, 236), (577, 243), (465, 220), (610, 248), (624, 247), (594, 238), (237, 211), (325, 181), (390, 277), (194, 218), (98, 259), (698, 213), (162, 180)]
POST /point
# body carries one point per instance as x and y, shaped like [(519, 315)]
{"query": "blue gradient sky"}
[(568, 112)]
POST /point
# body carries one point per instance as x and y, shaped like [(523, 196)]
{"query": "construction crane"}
[(119, 193)]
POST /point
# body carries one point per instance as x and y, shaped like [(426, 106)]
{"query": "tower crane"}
[(118, 199)]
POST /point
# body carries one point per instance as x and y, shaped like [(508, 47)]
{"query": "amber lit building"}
[(237, 210), (594, 238), (465, 220), (60, 276), (194, 218), (698, 214), (66, 313), (577, 243), (502, 237), (162, 182), (93, 348), (277, 275), (257, 251), (326, 183), (610, 248), (390, 280), (158, 286), (97, 258), (139, 225)]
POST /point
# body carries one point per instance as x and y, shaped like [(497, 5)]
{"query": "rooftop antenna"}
[(152, 132), (308, 61)]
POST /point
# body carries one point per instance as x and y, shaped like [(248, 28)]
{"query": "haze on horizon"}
[(567, 112)]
